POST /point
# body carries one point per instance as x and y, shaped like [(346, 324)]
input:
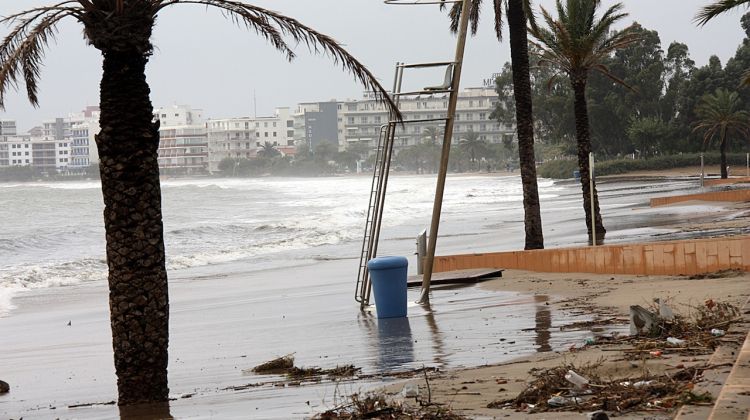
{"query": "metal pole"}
[(747, 165), (591, 191), (438, 205), (703, 173)]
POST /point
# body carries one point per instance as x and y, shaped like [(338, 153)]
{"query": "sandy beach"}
[(229, 316), (469, 391)]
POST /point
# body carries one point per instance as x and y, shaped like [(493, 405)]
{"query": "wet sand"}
[(226, 319)]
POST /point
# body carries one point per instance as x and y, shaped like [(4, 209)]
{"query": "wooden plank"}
[(469, 276)]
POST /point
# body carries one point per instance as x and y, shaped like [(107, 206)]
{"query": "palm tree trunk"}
[(723, 150), (519, 54), (138, 295), (583, 139)]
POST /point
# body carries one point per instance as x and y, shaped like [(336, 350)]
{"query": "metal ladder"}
[(385, 152)]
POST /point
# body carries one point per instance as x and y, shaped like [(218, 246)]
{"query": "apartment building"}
[(183, 143), (241, 137), (362, 119)]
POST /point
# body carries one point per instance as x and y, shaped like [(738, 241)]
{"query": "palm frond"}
[(273, 25), (709, 12), (21, 52), (746, 78)]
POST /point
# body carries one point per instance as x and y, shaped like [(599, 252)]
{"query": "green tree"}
[(646, 134), (577, 43), (127, 144), (720, 7), (268, 151), (721, 118), (473, 146), (518, 15)]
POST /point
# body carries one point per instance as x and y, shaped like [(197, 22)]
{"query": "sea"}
[(53, 235)]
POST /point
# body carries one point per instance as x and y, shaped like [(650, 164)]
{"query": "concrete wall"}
[(686, 257), (709, 182), (730, 196)]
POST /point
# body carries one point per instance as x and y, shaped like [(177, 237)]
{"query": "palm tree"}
[(473, 146), (577, 43), (268, 150), (432, 133), (720, 117), (717, 8), (127, 143), (518, 12)]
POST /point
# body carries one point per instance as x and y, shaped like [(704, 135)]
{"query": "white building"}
[(183, 143), (7, 128), (240, 138), (361, 119)]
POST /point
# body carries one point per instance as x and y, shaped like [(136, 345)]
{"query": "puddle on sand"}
[(464, 327)]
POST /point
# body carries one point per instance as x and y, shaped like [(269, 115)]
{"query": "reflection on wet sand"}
[(542, 323), (156, 411), (437, 339), (395, 343)]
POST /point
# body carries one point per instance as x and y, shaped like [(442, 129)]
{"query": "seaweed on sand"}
[(279, 365)]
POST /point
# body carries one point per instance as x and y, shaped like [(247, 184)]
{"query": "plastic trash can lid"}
[(382, 263)]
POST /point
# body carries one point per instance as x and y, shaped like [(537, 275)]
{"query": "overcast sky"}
[(203, 60)]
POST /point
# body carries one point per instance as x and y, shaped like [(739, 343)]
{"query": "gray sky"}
[(203, 60)]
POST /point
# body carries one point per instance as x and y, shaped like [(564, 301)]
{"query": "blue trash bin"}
[(388, 276)]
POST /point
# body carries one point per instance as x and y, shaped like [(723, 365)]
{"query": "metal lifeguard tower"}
[(450, 86)]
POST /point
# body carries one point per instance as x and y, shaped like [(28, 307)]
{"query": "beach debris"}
[(665, 312), (590, 341), (560, 401), (410, 391), (550, 391), (655, 353), (285, 366), (577, 380), (642, 321), (717, 332), (278, 365), (4, 387), (675, 341), (377, 406)]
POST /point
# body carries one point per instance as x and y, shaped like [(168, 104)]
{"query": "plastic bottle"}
[(675, 341), (579, 381)]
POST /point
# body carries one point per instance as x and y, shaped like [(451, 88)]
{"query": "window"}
[(274, 123), (290, 123), (274, 134), (176, 115), (257, 134), (265, 134), (481, 116), (351, 120), (27, 153), (247, 125), (164, 115), (265, 124), (363, 120), (377, 119)]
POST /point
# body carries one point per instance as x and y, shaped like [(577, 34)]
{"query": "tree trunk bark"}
[(519, 53), (583, 140), (138, 293), (723, 150)]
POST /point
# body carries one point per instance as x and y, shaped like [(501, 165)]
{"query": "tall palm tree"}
[(720, 117), (473, 146), (575, 44), (518, 13), (717, 8), (127, 143)]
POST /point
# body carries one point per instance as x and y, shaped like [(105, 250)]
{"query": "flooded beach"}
[(264, 268)]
